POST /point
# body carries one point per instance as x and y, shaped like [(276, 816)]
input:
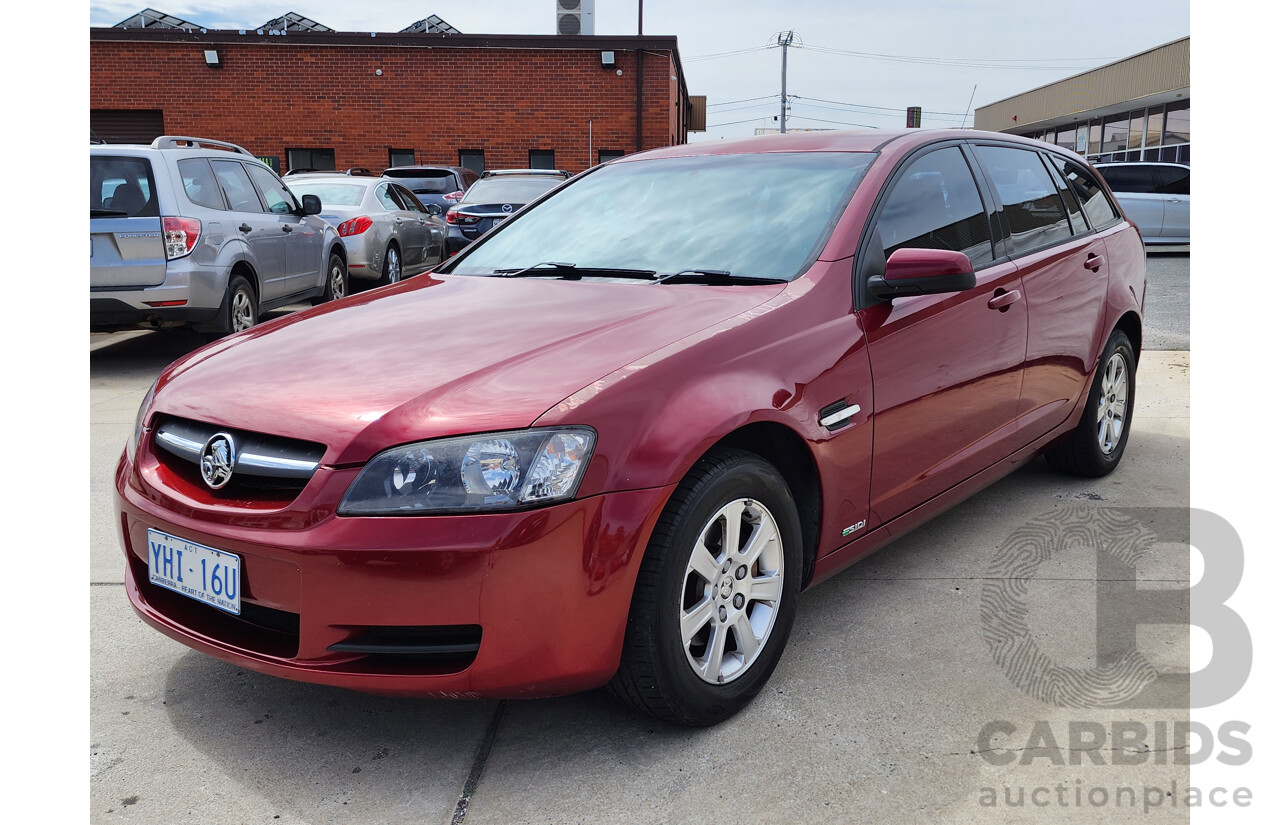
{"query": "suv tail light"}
[(180, 236), (454, 197), (354, 226)]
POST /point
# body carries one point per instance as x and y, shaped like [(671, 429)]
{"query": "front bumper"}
[(548, 590)]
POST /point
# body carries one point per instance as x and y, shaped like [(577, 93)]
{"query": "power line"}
[(736, 122), (744, 100), (964, 63), (870, 106)]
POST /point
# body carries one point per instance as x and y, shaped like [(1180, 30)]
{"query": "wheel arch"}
[(1131, 325), (783, 448)]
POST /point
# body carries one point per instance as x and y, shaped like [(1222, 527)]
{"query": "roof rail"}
[(490, 173), (180, 142)]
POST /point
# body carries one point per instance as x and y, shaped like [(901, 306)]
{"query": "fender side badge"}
[(837, 415)]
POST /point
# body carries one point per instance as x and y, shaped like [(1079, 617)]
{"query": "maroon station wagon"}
[(612, 442)]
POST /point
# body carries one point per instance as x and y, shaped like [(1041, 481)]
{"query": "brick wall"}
[(273, 96)]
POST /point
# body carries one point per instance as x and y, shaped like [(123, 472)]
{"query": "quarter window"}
[(387, 199), (197, 180), (1097, 208), (1032, 206), (936, 205)]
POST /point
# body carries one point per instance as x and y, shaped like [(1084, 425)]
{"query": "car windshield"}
[(331, 194), (514, 189), (756, 216)]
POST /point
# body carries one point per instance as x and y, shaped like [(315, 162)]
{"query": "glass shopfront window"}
[(1177, 123), (1155, 125)]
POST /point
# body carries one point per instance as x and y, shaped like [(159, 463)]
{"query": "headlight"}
[(131, 446), (498, 471)]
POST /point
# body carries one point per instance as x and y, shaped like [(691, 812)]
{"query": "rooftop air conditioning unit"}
[(575, 16)]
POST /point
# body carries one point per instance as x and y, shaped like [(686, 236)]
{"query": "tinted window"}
[(1174, 180), (276, 195), (754, 215), (1032, 206), (121, 187), (1097, 208), (1136, 179), (425, 181), (198, 182), (236, 186), (935, 205)]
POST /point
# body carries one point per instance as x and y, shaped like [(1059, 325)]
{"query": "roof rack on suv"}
[(490, 173), (355, 171), (180, 142)]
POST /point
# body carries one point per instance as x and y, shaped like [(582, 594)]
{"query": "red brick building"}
[(342, 99)]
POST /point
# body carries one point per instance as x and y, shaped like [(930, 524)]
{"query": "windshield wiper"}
[(573, 272), (108, 213), (517, 272), (714, 277)]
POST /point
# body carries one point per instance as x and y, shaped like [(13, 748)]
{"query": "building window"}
[(1155, 126), (1136, 120), (542, 159), (400, 157), (472, 159), (319, 160), (1177, 122), (607, 155)]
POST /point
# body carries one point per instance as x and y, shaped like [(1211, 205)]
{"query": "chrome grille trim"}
[(256, 455)]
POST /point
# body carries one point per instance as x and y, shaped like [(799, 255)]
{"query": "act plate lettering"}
[(194, 570)]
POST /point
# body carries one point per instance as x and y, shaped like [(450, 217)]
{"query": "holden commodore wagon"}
[(613, 441)]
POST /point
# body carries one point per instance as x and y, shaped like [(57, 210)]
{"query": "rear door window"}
[(121, 187), (935, 205), (236, 186), (1174, 180), (1033, 209)]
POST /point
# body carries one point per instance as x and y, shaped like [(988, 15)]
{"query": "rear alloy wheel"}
[(716, 594), (1094, 448), (242, 306), (391, 271), (335, 280)]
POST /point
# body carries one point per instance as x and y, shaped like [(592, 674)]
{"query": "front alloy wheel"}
[(716, 593), (732, 589)]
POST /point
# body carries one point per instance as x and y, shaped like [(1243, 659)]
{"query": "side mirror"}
[(434, 209), (923, 272), (310, 205)]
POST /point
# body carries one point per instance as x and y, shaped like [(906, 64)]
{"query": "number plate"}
[(202, 573)]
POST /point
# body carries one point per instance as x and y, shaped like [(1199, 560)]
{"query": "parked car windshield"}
[(331, 194), (514, 189), (756, 216)]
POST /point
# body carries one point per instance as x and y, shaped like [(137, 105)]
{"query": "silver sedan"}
[(388, 233)]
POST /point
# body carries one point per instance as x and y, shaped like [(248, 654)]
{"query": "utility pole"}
[(784, 40)]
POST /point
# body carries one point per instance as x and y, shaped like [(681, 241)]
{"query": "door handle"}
[(1003, 300), (1094, 262), (1174, 200), (244, 227)]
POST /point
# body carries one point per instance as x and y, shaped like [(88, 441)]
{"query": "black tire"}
[(1096, 446), (657, 674), (392, 267), (241, 311), (335, 280)]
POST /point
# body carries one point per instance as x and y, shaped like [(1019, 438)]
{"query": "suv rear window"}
[(121, 187), (514, 189), (426, 182)]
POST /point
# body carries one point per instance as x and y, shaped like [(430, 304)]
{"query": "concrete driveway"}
[(889, 704)]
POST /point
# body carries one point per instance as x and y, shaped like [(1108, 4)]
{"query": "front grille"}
[(263, 463)]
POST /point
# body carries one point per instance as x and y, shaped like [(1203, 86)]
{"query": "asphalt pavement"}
[(891, 704)]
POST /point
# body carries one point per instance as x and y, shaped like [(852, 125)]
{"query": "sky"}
[(852, 65)]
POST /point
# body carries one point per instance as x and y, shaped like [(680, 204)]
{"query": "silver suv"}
[(200, 232)]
